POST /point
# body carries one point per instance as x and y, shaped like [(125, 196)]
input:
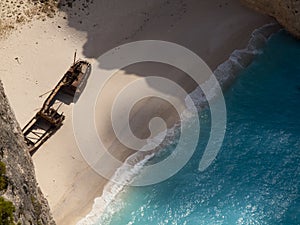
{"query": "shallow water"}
[(256, 176)]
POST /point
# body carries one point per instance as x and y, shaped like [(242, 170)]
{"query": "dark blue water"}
[(256, 176)]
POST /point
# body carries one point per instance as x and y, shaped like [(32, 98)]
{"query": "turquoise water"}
[(256, 176)]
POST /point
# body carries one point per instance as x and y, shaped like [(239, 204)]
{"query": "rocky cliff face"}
[(287, 12), (20, 186)]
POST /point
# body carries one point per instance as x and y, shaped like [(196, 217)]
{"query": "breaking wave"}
[(225, 73)]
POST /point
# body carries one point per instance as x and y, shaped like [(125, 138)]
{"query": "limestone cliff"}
[(287, 12), (18, 183)]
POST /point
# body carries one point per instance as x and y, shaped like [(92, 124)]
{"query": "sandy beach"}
[(36, 55)]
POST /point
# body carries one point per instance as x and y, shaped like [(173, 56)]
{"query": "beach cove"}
[(44, 49)]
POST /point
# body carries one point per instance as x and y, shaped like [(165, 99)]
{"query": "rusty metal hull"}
[(48, 120)]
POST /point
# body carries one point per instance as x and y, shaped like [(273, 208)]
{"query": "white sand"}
[(45, 52)]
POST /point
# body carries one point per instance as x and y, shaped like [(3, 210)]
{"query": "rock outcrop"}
[(20, 185), (287, 12)]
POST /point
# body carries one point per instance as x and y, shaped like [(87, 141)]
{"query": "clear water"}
[(256, 176)]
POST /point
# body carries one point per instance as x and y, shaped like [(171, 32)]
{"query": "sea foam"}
[(225, 73)]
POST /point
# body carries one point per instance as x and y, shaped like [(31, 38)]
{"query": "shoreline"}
[(239, 59), (63, 175)]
